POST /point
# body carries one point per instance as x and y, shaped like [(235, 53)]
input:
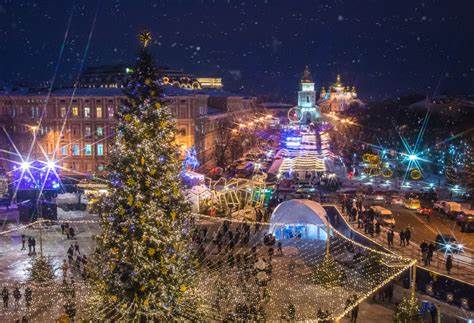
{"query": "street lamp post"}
[(34, 128)]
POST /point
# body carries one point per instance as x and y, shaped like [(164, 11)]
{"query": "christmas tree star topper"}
[(145, 38)]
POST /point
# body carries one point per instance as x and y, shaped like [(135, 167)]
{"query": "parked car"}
[(466, 221), (448, 244), (447, 207), (412, 204)]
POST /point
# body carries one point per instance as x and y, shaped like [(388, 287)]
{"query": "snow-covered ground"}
[(15, 262), (71, 198), (71, 215)]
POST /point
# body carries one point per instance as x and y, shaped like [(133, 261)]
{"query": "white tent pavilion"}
[(303, 219)]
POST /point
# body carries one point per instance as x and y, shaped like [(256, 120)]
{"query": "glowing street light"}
[(412, 157)]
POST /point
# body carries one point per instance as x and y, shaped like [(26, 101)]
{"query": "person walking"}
[(17, 296), (354, 314), (30, 243), (280, 251), (429, 256), (407, 236), (23, 241), (28, 296), (71, 232), (449, 263), (402, 238), (33, 245), (76, 248), (70, 253), (5, 296), (424, 252)]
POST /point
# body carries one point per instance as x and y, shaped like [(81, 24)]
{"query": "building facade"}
[(338, 98), (77, 127)]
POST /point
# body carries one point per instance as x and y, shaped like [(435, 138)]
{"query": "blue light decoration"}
[(36, 175), (190, 161), (293, 142), (412, 155)]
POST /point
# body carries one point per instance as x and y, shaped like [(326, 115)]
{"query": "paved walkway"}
[(461, 270)]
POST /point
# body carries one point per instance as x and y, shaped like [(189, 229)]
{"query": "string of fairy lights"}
[(288, 281)]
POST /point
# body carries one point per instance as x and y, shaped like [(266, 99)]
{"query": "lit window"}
[(87, 112), (100, 131), (63, 112), (64, 150), (111, 111), (75, 111), (98, 112), (88, 149), (75, 150), (100, 150), (87, 131)]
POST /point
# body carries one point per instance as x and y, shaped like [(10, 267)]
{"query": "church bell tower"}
[(307, 99)]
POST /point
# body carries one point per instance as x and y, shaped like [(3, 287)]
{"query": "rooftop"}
[(169, 91)]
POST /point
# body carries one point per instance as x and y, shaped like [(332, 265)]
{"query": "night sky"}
[(384, 48)]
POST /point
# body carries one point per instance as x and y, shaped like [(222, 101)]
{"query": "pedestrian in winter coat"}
[(28, 296), (402, 238), (33, 245), (30, 244), (449, 263), (429, 256), (17, 296), (407, 236), (71, 232), (5, 296), (76, 248), (23, 240)]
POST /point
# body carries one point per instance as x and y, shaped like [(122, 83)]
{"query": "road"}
[(423, 230)]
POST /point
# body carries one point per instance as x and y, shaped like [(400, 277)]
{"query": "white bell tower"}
[(307, 107)]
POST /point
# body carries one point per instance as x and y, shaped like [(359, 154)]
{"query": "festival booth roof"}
[(299, 212)]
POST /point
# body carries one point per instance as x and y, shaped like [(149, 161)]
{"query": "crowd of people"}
[(74, 264), (366, 219), (16, 294)]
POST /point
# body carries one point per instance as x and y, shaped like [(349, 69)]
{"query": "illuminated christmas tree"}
[(41, 270), (328, 273), (144, 268), (408, 311), (450, 171)]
